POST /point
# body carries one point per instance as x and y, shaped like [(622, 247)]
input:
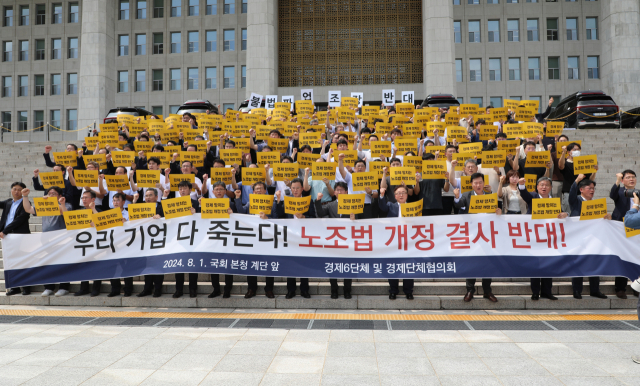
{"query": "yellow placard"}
[(108, 219), (537, 159), (136, 129), (554, 128), (474, 148), (458, 133), (311, 139), (100, 159), (543, 208), (593, 209), (405, 108), (531, 104), (411, 130), (117, 182), (164, 157), (231, 156), (351, 102), (488, 132), (92, 142), (322, 170), (140, 211), (350, 156), (46, 206), (278, 144), (351, 203), (630, 232), (252, 175), (296, 205), (364, 180), (465, 183), (169, 135), (493, 158), (531, 181), (306, 160), (125, 118), (498, 113), (383, 128), (346, 114), (434, 170), (173, 149), (176, 207), (86, 177), (468, 109), (584, 164), (511, 104), (461, 158), (182, 127), (195, 157), (262, 132), (156, 126), (525, 114), (370, 110), (109, 127), (451, 119), (268, 157), (532, 129), (512, 130), (65, 158), (147, 178), (51, 179), (433, 149), (561, 144), (108, 139), (413, 209), (509, 146), (175, 179), (279, 112), (413, 161), (380, 148), (123, 158), (214, 207), (260, 203), (77, 219), (485, 203), (405, 145), (403, 174), (285, 171), (144, 146)]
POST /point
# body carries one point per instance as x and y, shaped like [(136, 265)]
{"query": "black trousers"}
[(228, 282), (252, 281), (116, 285), (63, 286), (541, 286), (367, 212), (621, 284), (153, 282), (486, 286), (432, 212), (407, 286), (291, 284), (594, 284), (193, 281), (447, 205), (334, 285)]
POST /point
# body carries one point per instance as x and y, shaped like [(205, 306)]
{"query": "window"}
[(227, 106), (552, 29), (55, 84), (39, 49), (211, 78), (192, 44), (456, 2), (512, 1), (24, 15), (141, 44), (572, 29), (6, 86), (23, 121), (123, 45), (74, 13), (245, 6), (532, 30), (539, 99), (473, 2), (229, 77), (175, 42), (493, 27), (458, 70), (593, 67), (124, 9), (573, 66), (514, 68), (229, 7), (516, 98), (38, 119), (211, 41), (8, 17), (39, 90), (141, 9), (54, 120), (212, 7), (513, 30), (244, 39), (176, 8), (174, 79), (192, 81), (56, 48), (194, 7), (72, 84), (494, 69), (6, 120), (474, 31), (592, 28), (23, 85), (72, 119), (475, 70), (56, 15), (243, 76), (41, 14), (158, 44), (531, 1), (495, 102), (140, 79), (158, 9), (534, 68), (457, 33), (157, 80), (554, 67), (229, 40), (492, 1), (73, 48), (173, 109), (23, 55), (7, 51), (476, 101), (157, 110), (123, 81)]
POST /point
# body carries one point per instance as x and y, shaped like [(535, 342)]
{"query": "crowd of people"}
[(444, 196)]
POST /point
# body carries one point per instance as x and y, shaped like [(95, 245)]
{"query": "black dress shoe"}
[(347, 294), (81, 292), (226, 294), (535, 297), (157, 294), (599, 295), (127, 294), (269, 294), (94, 294), (144, 293), (193, 294), (26, 291), (577, 295), (305, 294), (214, 294), (177, 294), (250, 293), (635, 293), (112, 294), (621, 294), (334, 295), (490, 297), (409, 296), (13, 291), (290, 295), (548, 296), (468, 297), (392, 296)]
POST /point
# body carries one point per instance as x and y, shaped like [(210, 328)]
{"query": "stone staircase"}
[(616, 150)]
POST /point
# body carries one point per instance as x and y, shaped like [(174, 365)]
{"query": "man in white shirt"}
[(187, 168)]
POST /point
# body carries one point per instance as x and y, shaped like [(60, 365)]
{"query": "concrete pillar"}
[(438, 47), (620, 59), (97, 80), (262, 47)]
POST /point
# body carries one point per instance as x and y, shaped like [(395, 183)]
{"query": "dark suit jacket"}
[(575, 200), (392, 209), (159, 209), (527, 197), (464, 202), (623, 204), (310, 213), (330, 210), (20, 222), (244, 209)]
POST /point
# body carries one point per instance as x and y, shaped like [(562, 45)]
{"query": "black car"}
[(587, 109), (630, 121), (440, 100), (197, 106), (112, 115)]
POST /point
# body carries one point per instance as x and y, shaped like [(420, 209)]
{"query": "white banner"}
[(255, 101), (408, 97), (306, 94), (270, 101), (360, 97), (335, 98), (388, 97)]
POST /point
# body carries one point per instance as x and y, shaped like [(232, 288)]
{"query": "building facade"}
[(66, 63)]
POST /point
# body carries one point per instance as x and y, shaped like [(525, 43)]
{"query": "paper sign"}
[(532, 129), (51, 179), (77, 219), (512, 130), (173, 149), (350, 102), (561, 144), (254, 101), (147, 178), (260, 203), (509, 146), (412, 130), (176, 207), (306, 160), (322, 170), (156, 126), (403, 174), (378, 167), (285, 171), (109, 127), (408, 97), (221, 174), (474, 148), (214, 207), (108, 219), (465, 183), (406, 145), (388, 97), (405, 108), (498, 113), (334, 98), (461, 158), (451, 119), (359, 96), (252, 175), (488, 132), (554, 128), (531, 182), (537, 159), (364, 180), (270, 101), (231, 156), (525, 114), (414, 162), (433, 149), (411, 209), (493, 158), (66, 158), (91, 142), (86, 177), (585, 164), (351, 203), (46, 206), (175, 179), (268, 157), (511, 104), (100, 159), (434, 170), (296, 205), (380, 148), (530, 104), (164, 158), (278, 144), (630, 232), (311, 139), (123, 158), (484, 203), (593, 209), (350, 156), (117, 182), (468, 109), (140, 211), (458, 133), (543, 208)]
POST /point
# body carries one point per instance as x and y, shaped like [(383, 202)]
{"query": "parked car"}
[(587, 109), (440, 100), (197, 106), (112, 115), (630, 121)]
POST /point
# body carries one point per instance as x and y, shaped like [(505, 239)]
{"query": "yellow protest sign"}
[(488, 132), (383, 128), (524, 114), (465, 183), (365, 180), (511, 104), (173, 149), (221, 174), (77, 219), (322, 170), (531, 104), (125, 118), (311, 139), (117, 182), (306, 160), (195, 157), (147, 178), (351, 102), (285, 171), (175, 179), (630, 232), (262, 132), (214, 207), (140, 211), (451, 119), (176, 207), (92, 142), (554, 128), (231, 156), (532, 129), (498, 113), (461, 158), (531, 182), (346, 114), (164, 158), (537, 159), (593, 209), (403, 174), (493, 158), (380, 148), (458, 133), (252, 175), (485, 203), (434, 170), (468, 109), (268, 157), (108, 139), (512, 130), (543, 208), (585, 164), (509, 146), (405, 145), (86, 177), (169, 135), (296, 205), (411, 209), (51, 179), (411, 130), (144, 146), (474, 148), (433, 149), (109, 127), (278, 144), (370, 110), (378, 167), (561, 144), (350, 156), (351, 203), (136, 129), (46, 206), (65, 158), (123, 158), (413, 161), (405, 109), (260, 203), (156, 126), (108, 219)]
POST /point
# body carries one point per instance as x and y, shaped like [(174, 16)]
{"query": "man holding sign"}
[(68, 191), (152, 283), (184, 188)]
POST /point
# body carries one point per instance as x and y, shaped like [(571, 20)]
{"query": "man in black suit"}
[(184, 188), (152, 283), (623, 204), (219, 190), (14, 220), (462, 203)]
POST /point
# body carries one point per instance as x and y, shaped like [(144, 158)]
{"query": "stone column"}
[(262, 47), (438, 47), (97, 80), (620, 59)]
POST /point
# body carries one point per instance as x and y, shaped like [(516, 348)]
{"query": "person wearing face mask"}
[(625, 180), (565, 164)]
